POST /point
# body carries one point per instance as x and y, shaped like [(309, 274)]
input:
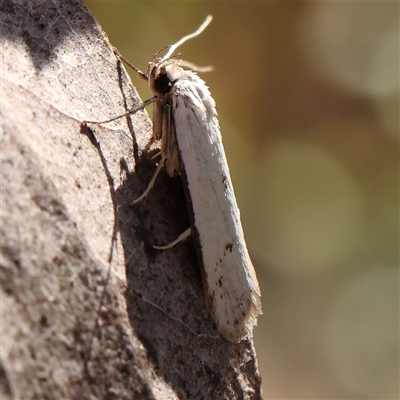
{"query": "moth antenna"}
[(158, 52), (167, 60), (194, 67), (187, 37)]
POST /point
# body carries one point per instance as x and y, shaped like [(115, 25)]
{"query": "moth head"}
[(160, 83), (164, 71), (162, 76)]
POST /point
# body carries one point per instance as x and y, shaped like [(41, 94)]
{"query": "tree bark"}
[(88, 308)]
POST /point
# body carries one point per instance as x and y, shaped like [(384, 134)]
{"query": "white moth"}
[(185, 120)]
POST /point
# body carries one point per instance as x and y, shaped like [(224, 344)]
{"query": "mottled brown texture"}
[(88, 308)]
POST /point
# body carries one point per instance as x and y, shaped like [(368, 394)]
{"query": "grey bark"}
[(88, 309)]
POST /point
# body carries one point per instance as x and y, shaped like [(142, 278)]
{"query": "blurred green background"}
[(308, 100)]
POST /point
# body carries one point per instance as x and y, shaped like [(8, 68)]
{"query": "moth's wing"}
[(164, 129), (169, 146), (230, 283), (158, 111)]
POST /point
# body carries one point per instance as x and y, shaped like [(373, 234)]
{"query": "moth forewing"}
[(157, 120), (231, 287), (169, 147)]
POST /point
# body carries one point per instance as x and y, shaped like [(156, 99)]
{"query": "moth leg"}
[(127, 62), (161, 130), (141, 106), (156, 155), (181, 238), (151, 184)]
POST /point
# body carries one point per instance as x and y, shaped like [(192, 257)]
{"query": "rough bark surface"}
[(88, 308)]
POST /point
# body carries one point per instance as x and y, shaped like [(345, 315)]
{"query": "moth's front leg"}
[(161, 114), (181, 238), (134, 110)]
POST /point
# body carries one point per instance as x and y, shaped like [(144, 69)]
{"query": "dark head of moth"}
[(162, 83), (234, 301)]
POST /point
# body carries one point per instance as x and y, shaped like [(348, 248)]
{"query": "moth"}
[(185, 121)]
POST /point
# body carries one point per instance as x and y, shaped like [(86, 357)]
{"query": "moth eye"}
[(162, 83)]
